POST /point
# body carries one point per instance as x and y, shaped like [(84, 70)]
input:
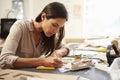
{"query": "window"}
[(101, 18), (17, 6)]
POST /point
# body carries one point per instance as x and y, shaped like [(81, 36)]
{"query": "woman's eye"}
[(55, 25)]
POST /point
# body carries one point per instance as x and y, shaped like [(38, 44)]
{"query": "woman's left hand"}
[(59, 53)]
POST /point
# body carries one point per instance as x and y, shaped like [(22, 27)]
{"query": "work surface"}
[(90, 74), (10, 74), (86, 74)]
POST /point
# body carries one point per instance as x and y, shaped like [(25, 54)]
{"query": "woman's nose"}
[(55, 31)]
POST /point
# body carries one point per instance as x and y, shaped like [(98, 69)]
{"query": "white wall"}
[(33, 7), (5, 6)]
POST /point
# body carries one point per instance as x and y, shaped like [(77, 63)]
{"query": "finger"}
[(57, 60), (58, 65), (58, 56)]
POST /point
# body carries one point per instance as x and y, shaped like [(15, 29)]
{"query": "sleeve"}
[(7, 56)]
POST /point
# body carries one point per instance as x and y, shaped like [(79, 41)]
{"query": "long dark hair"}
[(52, 10)]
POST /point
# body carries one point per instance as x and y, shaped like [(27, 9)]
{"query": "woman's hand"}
[(53, 62), (60, 52), (57, 53)]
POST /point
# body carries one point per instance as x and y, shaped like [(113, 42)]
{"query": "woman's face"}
[(52, 26)]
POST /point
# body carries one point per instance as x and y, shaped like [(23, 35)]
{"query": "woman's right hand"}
[(52, 62)]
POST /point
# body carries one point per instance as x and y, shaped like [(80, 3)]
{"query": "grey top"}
[(19, 43)]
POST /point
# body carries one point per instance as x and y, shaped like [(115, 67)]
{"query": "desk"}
[(91, 74)]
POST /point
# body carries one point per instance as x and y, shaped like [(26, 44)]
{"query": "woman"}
[(36, 43)]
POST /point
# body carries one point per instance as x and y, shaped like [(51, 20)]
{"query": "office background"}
[(87, 18)]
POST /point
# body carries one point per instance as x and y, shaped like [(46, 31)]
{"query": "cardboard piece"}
[(9, 74)]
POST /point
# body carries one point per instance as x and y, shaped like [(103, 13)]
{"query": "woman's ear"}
[(43, 16)]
